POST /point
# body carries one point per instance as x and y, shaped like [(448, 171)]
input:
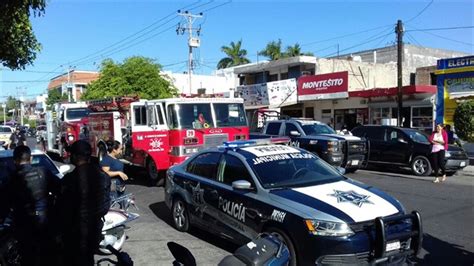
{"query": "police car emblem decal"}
[(351, 196)]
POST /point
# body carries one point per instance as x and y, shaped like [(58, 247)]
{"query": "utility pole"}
[(399, 32), (192, 41)]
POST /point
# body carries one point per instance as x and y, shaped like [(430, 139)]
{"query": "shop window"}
[(284, 76), (309, 112), (422, 118)]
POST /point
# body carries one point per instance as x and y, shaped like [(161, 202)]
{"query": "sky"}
[(79, 34)]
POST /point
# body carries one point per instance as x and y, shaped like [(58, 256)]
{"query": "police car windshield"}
[(316, 129), (281, 166), (76, 113)]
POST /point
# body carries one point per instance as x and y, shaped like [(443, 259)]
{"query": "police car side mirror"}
[(295, 133), (341, 170), (242, 185)]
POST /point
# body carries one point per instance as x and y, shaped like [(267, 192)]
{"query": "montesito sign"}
[(324, 86)]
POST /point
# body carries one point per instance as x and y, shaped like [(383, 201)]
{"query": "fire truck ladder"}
[(120, 104)]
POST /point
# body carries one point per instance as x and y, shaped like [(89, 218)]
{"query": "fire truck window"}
[(230, 114), (140, 115), (205, 165), (160, 115), (151, 115), (172, 116)]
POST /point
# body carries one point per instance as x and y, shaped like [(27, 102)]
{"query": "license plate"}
[(355, 162), (462, 164), (392, 246)]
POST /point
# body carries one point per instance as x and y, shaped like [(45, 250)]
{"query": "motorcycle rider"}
[(30, 189), (84, 201), (17, 138)]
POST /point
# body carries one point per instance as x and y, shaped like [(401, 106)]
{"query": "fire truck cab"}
[(157, 134), (65, 123)]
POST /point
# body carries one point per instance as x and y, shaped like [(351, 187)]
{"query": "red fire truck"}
[(65, 123), (157, 134)]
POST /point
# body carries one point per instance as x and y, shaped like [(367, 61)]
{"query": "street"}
[(447, 212)]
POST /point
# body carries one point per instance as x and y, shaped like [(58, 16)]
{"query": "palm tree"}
[(273, 50), (295, 50), (235, 55)]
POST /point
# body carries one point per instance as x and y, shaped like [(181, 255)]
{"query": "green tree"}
[(11, 103), (272, 50), (18, 45), (137, 75), (464, 120), (235, 55), (295, 50), (55, 96)]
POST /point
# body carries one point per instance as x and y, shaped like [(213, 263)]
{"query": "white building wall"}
[(362, 75), (212, 84)]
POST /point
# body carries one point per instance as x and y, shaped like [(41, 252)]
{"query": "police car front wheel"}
[(180, 215), (282, 236)]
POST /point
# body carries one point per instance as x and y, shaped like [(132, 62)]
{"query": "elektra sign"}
[(324, 86)]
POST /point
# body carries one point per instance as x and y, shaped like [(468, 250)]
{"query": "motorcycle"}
[(266, 250), (113, 231)]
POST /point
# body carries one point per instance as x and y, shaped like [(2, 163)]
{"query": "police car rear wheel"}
[(282, 236), (180, 216)]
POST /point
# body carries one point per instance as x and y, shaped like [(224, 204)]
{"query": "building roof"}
[(259, 67), (76, 77), (380, 92)]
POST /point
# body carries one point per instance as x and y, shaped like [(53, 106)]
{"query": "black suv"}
[(389, 145)]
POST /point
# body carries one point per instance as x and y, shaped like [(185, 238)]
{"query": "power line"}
[(371, 39), (223, 4), (129, 43), (445, 38), (130, 36), (347, 35), (421, 12), (33, 71), (413, 39), (449, 28)]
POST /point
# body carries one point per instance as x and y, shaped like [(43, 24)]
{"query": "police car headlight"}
[(324, 228), (447, 154)]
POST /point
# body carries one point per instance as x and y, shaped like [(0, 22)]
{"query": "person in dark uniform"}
[(84, 200), (30, 194), (17, 138)]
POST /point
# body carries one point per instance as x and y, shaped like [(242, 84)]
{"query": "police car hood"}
[(345, 200)]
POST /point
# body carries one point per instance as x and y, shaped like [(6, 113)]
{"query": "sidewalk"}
[(467, 171)]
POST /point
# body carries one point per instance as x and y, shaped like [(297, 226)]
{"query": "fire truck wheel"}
[(153, 173)]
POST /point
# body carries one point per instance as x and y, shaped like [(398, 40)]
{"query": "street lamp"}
[(4, 115)]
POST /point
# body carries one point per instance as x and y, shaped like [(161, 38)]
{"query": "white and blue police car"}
[(246, 187)]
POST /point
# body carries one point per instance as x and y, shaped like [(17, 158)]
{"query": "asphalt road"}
[(447, 211)]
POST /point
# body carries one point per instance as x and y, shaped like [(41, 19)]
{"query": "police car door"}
[(150, 133), (238, 211), (200, 185)]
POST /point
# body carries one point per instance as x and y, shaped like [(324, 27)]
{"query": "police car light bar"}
[(255, 142)]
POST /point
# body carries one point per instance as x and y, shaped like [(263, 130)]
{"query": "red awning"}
[(381, 92)]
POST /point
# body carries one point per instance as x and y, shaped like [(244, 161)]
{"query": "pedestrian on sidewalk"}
[(439, 139)]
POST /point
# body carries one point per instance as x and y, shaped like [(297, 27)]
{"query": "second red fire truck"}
[(157, 134)]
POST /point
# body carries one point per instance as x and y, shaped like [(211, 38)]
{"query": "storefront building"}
[(455, 82)]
